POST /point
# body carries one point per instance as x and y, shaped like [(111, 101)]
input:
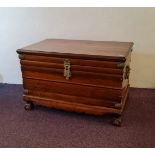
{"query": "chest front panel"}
[(72, 80)]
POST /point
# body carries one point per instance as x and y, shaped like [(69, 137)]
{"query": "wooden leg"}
[(29, 105), (117, 121)]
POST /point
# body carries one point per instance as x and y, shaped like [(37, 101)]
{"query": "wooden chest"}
[(75, 75)]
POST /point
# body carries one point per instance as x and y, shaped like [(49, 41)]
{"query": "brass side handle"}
[(67, 69), (127, 72)]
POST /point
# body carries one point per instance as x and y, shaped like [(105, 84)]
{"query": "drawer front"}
[(73, 92)]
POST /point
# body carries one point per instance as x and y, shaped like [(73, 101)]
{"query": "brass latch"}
[(67, 67)]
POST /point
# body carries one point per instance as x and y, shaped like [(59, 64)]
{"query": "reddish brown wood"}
[(74, 59), (70, 98), (73, 89), (99, 79), (46, 65), (69, 106), (88, 49), (77, 77)]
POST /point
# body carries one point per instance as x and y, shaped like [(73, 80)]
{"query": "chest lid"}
[(103, 50)]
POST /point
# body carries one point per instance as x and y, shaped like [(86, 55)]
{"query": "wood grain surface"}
[(106, 49), (99, 80)]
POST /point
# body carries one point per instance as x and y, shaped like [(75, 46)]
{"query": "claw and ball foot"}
[(28, 106), (117, 121)]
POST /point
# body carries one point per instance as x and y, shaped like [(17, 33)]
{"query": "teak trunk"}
[(77, 75)]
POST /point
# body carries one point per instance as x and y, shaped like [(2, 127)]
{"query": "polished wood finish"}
[(89, 49), (99, 80)]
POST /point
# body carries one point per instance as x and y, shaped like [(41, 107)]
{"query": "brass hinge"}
[(118, 105), (21, 56), (25, 91), (67, 67)]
